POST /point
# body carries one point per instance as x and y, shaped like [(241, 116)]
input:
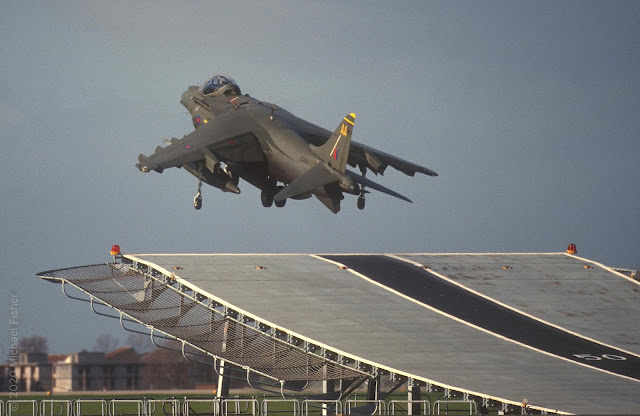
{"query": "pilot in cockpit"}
[(220, 84)]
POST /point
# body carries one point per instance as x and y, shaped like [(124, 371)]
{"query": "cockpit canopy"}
[(219, 84)]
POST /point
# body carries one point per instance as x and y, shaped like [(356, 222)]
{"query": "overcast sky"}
[(529, 112)]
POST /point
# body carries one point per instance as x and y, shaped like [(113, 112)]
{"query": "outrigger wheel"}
[(363, 171), (197, 201)]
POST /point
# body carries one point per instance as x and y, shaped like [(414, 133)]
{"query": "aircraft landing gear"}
[(267, 197), (197, 201), (363, 170), (280, 204), (269, 190)]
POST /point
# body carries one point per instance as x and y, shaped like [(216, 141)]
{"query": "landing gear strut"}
[(363, 170), (269, 192), (197, 201)]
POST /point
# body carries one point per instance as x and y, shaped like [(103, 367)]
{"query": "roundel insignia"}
[(198, 119)]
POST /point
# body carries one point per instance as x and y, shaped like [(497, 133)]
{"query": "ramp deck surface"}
[(466, 322)]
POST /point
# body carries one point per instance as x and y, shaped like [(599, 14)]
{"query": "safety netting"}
[(159, 303)]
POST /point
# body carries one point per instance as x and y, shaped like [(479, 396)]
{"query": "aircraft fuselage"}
[(281, 135)]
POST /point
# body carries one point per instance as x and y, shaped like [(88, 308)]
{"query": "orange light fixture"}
[(572, 249)]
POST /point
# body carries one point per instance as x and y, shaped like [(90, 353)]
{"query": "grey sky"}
[(529, 111)]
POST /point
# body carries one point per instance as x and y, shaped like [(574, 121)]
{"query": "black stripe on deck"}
[(419, 284)]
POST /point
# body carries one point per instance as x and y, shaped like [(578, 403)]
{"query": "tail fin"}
[(336, 150)]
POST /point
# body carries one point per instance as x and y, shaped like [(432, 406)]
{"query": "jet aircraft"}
[(237, 136)]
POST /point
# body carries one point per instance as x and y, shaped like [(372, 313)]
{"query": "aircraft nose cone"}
[(185, 98)]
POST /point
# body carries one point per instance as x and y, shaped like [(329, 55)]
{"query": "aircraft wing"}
[(225, 140), (377, 161)]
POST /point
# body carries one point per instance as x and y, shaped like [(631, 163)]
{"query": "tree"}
[(106, 343), (32, 344)]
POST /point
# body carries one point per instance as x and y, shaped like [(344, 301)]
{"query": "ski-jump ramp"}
[(559, 330)]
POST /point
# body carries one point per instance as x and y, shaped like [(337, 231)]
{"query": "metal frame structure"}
[(132, 287), (131, 290)]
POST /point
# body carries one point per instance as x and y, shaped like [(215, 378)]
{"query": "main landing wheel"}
[(361, 202), (280, 204), (267, 198), (197, 201)]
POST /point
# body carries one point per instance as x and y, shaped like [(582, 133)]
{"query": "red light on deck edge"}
[(115, 250), (572, 249)]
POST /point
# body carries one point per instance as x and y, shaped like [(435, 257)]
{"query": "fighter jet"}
[(237, 136)]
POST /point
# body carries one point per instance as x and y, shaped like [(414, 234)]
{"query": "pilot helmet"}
[(220, 84)]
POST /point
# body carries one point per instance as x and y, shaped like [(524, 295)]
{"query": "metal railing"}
[(168, 407), (233, 406), (19, 408), (50, 408), (126, 408), (396, 407), (200, 407), (473, 406), (326, 407), (291, 407), (80, 403), (243, 407), (372, 407)]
